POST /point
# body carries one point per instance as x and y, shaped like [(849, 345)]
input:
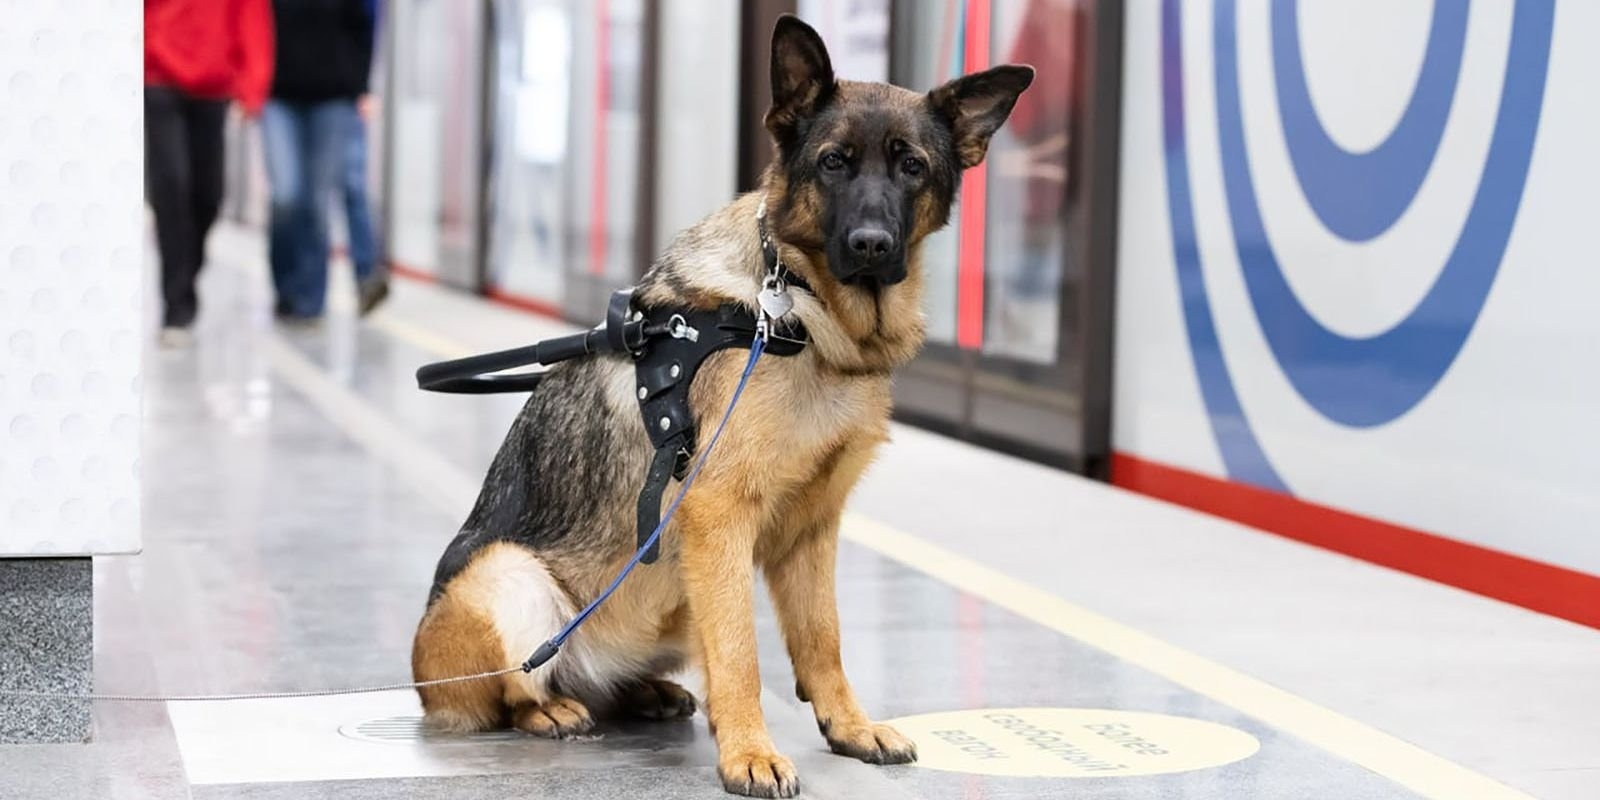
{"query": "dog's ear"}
[(802, 75), (975, 106)]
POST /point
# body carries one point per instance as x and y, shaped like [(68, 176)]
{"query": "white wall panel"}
[(71, 283)]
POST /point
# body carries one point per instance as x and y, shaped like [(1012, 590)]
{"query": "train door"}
[(1019, 284), (434, 114), (857, 34), (567, 134)]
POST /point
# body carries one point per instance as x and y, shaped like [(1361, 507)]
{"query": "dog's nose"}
[(870, 243)]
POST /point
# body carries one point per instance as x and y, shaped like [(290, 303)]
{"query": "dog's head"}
[(867, 169)]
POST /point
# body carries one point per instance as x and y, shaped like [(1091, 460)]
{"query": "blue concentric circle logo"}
[(1355, 381)]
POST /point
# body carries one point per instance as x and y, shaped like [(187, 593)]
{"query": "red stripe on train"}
[(974, 198), (413, 273), (534, 304), (602, 98), (501, 296), (1534, 585)]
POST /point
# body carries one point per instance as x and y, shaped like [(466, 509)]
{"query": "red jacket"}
[(210, 48)]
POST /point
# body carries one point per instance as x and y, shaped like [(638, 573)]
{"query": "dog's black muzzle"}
[(869, 257)]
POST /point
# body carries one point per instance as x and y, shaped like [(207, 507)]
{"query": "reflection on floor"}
[(300, 488)]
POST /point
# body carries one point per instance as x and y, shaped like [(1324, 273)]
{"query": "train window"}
[(532, 85), (1009, 354), (857, 34), (567, 83), (416, 108), (435, 108), (926, 54), (1026, 255)]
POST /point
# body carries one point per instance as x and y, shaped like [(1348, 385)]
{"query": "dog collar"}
[(769, 254)]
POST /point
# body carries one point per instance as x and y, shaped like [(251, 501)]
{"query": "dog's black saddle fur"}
[(668, 346)]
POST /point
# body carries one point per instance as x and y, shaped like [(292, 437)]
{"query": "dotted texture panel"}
[(71, 281)]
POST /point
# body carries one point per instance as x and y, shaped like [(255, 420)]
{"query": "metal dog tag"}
[(775, 300)]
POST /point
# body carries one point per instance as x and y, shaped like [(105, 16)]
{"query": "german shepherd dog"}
[(863, 173)]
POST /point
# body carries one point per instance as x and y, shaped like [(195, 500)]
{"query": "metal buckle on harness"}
[(679, 328), (665, 355)]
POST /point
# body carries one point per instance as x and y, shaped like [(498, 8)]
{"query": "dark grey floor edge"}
[(46, 644)]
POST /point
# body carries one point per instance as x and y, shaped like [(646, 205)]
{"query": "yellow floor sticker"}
[(1071, 742)]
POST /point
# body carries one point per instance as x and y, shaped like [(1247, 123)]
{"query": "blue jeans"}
[(306, 146), (357, 210)]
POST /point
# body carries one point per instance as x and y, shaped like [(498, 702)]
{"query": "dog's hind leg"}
[(453, 640), (541, 706), (527, 606), (651, 695), (658, 699), (491, 616), (556, 717)]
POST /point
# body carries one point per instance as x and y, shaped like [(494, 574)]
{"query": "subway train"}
[(1328, 278)]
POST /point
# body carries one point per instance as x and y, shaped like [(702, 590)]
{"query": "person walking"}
[(198, 56), (372, 280), (324, 56)]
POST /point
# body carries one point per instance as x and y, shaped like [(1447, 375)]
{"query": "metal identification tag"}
[(774, 300)]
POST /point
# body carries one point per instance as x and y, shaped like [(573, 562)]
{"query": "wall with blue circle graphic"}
[(1354, 257)]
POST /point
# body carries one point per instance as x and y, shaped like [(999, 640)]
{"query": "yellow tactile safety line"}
[(1349, 739), (1356, 742)]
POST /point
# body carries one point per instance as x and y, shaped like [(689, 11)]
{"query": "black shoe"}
[(373, 291), (281, 309)]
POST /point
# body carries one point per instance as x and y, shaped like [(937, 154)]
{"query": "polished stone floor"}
[(299, 489)]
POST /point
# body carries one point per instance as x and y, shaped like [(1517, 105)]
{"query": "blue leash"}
[(548, 650)]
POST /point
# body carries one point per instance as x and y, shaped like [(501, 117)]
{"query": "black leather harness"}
[(667, 345)]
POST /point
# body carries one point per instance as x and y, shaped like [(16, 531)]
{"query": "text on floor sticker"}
[(1071, 742)]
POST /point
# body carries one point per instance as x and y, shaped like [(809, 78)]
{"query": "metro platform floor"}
[(299, 490)]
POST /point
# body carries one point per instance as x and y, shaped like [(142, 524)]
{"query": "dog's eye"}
[(832, 161), (912, 166)]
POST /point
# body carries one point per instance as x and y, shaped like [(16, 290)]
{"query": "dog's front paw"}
[(871, 742), (556, 718), (759, 773)]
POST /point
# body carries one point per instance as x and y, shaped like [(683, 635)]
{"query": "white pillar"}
[(71, 335)]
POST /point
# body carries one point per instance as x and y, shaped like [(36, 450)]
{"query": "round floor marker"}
[(1071, 742)]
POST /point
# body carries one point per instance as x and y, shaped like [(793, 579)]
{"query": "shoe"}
[(281, 309), (299, 321), (173, 338), (373, 292)]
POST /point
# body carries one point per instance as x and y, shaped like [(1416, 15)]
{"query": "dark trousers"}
[(183, 167)]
